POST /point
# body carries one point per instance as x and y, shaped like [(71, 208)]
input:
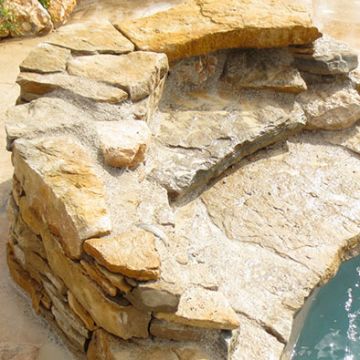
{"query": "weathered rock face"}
[(60, 10), (29, 18), (198, 27), (110, 139), (328, 57)]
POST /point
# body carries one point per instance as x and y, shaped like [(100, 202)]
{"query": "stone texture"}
[(35, 85), (116, 280), (122, 321), (60, 10), (155, 296), (177, 332), (263, 69), (132, 254), (355, 78), (62, 189), (80, 311), (123, 143), (91, 38), (198, 27), (10, 351), (29, 18), (46, 58), (103, 346), (329, 57), (203, 308), (195, 146), (137, 73), (331, 106)]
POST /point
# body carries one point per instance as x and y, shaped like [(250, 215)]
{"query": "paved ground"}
[(18, 324)]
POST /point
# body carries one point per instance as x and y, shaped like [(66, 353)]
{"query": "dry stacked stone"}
[(147, 220)]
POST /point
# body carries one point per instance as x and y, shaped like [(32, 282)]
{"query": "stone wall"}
[(175, 211)]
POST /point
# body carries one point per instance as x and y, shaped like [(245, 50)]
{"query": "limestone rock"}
[(35, 85), (80, 311), (63, 189), (123, 143), (60, 10), (155, 296), (330, 57), (263, 69), (46, 58), (91, 38), (137, 73), (198, 27), (103, 346), (132, 254), (29, 18), (195, 146), (122, 321), (331, 106), (203, 308), (177, 332), (10, 351)]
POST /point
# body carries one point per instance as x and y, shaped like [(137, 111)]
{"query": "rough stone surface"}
[(60, 10), (80, 311), (92, 38), (331, 106), (355, 78), (263, 69), (137, 73), (203, 308), (46, 58), (123, 143), (197, 27), (195, 146), (10, 351), (132, 254), (329, 57), (35, 85), (29, 18), (61, 184)]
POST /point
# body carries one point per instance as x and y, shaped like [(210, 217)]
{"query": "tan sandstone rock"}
[(91, 38), (29, 18), (333, 106), (132, 254), (198, 27), (123, 321), (60, 10), (80, 311), (203, 308), (137, 73), (35, 85), (62, 189), (46, 58), (123, 143)]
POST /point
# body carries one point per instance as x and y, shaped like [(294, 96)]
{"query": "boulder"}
[(197, 27)]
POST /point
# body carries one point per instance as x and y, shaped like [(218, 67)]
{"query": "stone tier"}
[(180, 214)]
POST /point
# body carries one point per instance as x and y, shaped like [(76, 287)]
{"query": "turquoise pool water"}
[(332, 326)]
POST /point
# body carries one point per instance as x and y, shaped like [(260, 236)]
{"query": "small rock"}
[(131, 253), (330, 57), (205, 309), (137, 73), (123, 143), (46, 58)]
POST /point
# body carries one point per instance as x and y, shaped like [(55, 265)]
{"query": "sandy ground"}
[(18, 324)]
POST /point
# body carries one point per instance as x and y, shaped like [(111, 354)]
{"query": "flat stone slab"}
[(194, 147), (91, 38), (329, 57), (137, 73), (46, 58), (198, 27), (68, 190), (34, 85)]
